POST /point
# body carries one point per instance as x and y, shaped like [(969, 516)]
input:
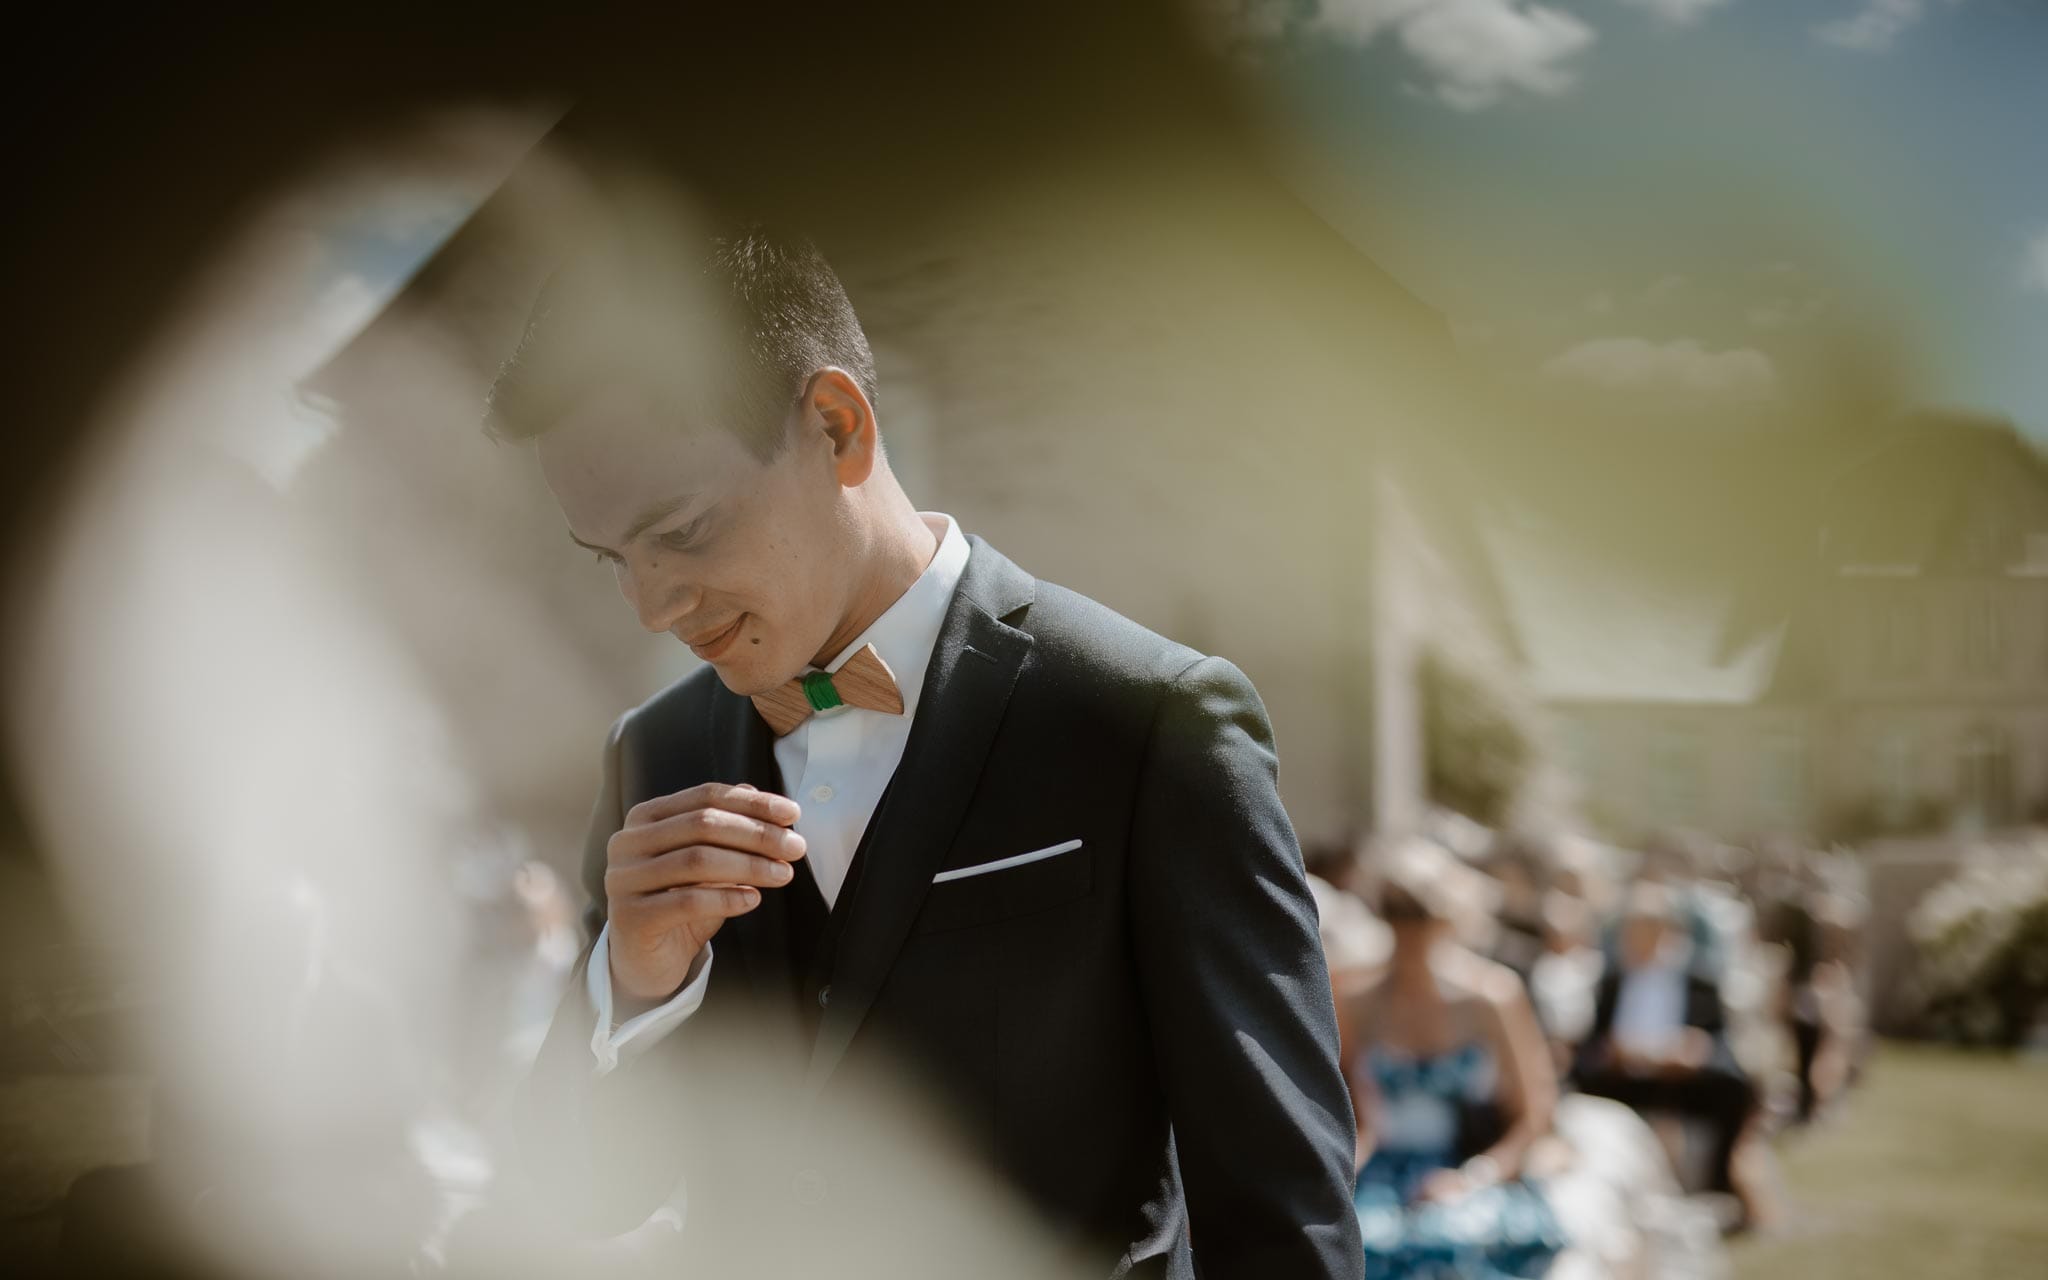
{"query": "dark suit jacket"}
[(1703, 1009), (1137, 1037)]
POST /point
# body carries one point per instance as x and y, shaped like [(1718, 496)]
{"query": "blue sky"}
[(1688, 192)]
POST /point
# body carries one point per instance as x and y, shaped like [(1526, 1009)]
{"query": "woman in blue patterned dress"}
[(1451, 1084)]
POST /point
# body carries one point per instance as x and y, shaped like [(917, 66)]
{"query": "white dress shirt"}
[(1649, 1007), (835, 765)]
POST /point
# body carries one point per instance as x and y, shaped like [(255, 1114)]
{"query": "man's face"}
[(740, 560), (1642, 938)]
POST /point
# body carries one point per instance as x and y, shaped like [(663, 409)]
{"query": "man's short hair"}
[(724, 330)]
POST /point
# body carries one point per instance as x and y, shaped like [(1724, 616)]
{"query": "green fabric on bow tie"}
[(823, 694)]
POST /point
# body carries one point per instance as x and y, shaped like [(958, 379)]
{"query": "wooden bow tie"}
[(863, 680)]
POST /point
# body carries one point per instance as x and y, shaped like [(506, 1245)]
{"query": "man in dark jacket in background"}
[(1659, 1038)]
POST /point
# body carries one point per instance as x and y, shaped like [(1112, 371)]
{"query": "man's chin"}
[(745, 679)]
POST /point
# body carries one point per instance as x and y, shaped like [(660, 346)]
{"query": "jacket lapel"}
[(966, 689)]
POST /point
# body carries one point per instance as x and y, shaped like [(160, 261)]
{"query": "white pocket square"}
[(1004, 864)]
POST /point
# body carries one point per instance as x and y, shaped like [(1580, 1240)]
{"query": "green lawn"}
[(1936, 1167)]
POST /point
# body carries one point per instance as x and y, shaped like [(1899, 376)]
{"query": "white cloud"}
[(1476, 51), (1680, 12), (1483, 49), (1874, 27), (1683, 366), (2034, 265)]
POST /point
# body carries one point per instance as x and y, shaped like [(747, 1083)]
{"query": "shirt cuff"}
[(610, 1044)]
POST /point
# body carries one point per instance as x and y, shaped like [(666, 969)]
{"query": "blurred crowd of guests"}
[(1566, 1058)]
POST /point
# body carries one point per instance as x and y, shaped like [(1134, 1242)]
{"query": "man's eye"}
[(605, 557), (679, 539)]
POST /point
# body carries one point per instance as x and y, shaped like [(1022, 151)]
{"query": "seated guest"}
[(1353, 942), (1676, 860), (1451, 1087), (1815, 997), (1519, 865), (1565, 978), (1658, 1041)]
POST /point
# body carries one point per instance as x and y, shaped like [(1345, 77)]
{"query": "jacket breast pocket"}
[(1008, 888)]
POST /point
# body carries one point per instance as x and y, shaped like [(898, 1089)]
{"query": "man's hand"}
[(1687, 1055), (682, 865)]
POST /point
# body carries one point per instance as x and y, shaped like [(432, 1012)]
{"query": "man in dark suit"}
[(960, 835), (1659, 1038)]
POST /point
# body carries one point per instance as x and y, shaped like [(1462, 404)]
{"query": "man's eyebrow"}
[(652, 516)]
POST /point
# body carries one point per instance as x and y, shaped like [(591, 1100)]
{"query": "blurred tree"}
[(1982, 937), (1478, 753)]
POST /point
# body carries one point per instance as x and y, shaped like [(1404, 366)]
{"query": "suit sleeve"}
[(1236, 991), (1705, 1010), (1703, 1007), (1586, 1057)]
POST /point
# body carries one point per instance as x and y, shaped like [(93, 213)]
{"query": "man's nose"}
[(659, 600)]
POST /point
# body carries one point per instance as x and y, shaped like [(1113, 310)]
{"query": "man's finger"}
[(737, 797), (696, 864), (721, 827), (696, 902)]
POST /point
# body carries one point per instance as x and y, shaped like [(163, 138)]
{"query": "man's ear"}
[(834, 404)]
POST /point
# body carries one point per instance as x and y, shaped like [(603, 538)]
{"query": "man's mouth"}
[(711, 647)]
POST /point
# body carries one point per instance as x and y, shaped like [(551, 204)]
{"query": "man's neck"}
[(898, 552), (1665, 961)]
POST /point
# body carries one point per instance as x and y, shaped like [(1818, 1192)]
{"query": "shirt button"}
[(824, 995), (821, 793)]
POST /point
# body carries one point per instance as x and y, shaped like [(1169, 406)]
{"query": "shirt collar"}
[(908, 630)]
